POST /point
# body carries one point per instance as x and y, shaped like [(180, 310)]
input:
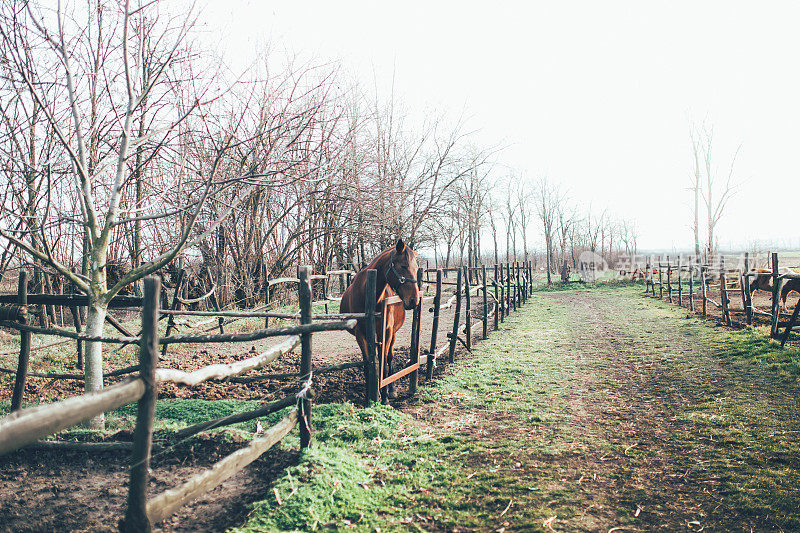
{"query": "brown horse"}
[(396, 274), (790, 285)]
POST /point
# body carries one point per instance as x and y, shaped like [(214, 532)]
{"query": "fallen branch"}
[(198, 300), (322, 370), (227, 370)]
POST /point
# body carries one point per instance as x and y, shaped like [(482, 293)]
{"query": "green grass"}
[(512, 404), (375, 469), (366, 468)]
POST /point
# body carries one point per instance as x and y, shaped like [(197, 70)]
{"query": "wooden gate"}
[(413, 364)]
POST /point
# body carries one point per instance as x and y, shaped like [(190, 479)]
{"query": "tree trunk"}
[(93, 358)]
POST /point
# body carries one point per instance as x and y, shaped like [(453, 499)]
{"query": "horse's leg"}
[(389, 361), (362, 344), (386, 370), (387, 366)]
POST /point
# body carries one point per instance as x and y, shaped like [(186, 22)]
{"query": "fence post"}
[(468, 312), (266, 302), (669, 280), (496, 305), (369, 332), (501, 284), (532, 272), (748, 302), (652, 277), (24, 345), (485, 303), (704, 288), (660, 279), (528, 277), (305, 298), (680, 280), (511, 304), (437, 301), (776, 291), (136, 518), (723, 293), (691, 286), (524, 281), (454, 334), (416, 321)]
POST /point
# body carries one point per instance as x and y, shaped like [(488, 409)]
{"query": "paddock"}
[(460, 315)]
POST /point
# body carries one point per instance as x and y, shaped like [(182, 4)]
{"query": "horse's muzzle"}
[(411, 304)]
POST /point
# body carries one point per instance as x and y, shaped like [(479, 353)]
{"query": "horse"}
[(789, 285), (762, 281), (396, 274)]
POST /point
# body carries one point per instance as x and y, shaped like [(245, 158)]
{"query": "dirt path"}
[(611, 411)]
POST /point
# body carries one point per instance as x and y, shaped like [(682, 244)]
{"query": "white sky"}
[(598, 96)]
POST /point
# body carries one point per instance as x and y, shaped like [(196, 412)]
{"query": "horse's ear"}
[(400, 246)]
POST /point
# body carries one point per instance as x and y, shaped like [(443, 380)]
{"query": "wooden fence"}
[(677, 281), (509, 289), (26, 426)]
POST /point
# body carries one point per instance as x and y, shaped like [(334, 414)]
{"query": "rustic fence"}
[(509, 289), (693, 284), (24, 427)]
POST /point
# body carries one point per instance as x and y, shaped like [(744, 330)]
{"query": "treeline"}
[(124, 143)]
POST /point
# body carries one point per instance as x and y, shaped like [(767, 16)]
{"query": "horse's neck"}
[(381, 283)]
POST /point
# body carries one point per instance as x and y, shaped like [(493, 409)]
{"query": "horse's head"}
[(401, 274)]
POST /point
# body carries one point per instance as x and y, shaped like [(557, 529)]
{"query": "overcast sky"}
[(598, 96)]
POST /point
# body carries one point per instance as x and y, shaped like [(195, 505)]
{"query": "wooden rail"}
[(28, 425), (166, 503)]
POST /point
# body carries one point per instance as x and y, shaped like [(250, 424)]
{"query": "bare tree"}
[(510, 217), (97, 54), (525, 200), (696, 188), (548, 202), (717, 191)]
